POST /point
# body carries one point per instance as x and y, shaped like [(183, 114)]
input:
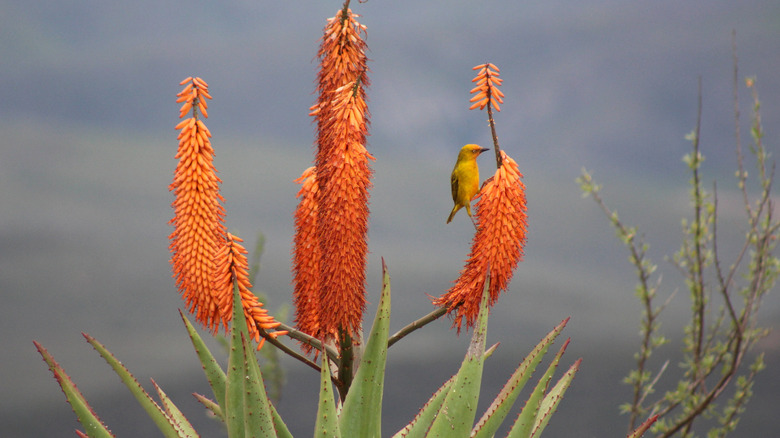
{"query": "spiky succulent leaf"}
[(281, 428), (236, 372), (257, 413), (327, 424), (456, 416), (553, 398), (155, 412), (526, 422), (211, 405), (362, 412), (86, 416), (419, 426), (498, 410), (179, 421), (214, 373)]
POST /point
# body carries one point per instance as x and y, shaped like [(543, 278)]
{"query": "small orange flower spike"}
[(232, 268), (486, 92), (198, 219), (205, 257), (498, 244)]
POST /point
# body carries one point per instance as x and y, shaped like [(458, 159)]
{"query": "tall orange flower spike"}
[(198, 220), (343, 175), (232, 266), (498, 243), (487, 92), (306, 258)]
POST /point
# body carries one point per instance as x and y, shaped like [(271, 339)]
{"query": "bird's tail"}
[(452, 213)]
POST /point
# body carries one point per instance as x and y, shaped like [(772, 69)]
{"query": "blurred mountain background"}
[(87, 110)]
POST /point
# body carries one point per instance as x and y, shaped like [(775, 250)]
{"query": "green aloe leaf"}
[(362, 412), (211, 405), (214, 373), (257, 414), (236, 372), (553, 398), (456, 416), (498, 410), (527, 420), (155, 412), (419, 426), (86, 416), (327, 425), (282, 431), (183, 426)]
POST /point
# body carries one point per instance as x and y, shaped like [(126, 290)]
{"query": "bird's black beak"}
[(484, 150)]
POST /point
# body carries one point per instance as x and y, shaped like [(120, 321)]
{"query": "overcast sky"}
[(87, 110)]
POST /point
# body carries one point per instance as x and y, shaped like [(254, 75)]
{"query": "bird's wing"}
[(454, 185)]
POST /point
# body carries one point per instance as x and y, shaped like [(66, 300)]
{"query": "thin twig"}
[(308, 340), (724, 287), (698, 273), (492, 123), (275, 342), (742, 176), (436, 314)]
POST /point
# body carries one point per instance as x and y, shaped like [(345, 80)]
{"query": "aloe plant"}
[(329, 259), (240, 401)]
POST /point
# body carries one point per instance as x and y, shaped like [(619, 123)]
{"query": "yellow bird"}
[(465, 178)]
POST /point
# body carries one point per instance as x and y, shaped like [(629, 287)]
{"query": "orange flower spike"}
[(232, 265), (487, 91), (498, 243), (198, 217), (306, 258), (343, 175)]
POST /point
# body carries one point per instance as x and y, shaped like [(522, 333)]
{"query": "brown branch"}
[(425, 320)]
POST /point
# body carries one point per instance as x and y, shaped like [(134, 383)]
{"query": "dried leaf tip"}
[(486, 93)]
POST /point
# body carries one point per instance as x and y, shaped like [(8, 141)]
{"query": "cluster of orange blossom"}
[(206, 259), (487, 90), (332, 217)]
